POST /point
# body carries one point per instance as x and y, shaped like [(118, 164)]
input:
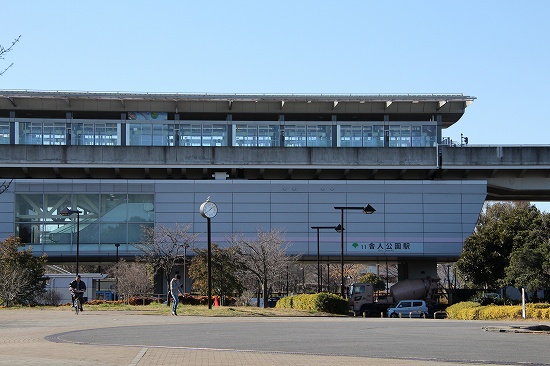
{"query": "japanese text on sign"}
[(388, 247)]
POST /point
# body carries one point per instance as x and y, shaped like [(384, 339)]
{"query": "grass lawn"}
[(186, 310)]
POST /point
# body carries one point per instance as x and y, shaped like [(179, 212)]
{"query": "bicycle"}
[(77, 305)]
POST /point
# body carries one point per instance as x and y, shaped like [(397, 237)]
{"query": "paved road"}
[(125, 338)]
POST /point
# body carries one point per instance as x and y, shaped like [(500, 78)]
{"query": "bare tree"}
[(135, 278), (5, 185), (163, 247), (263, 257), (4, 50), (448, 276)]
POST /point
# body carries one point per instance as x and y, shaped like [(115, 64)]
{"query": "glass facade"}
[(4, 132), (257, 134), (104, 218), (371, 135), (95, 132), (203, 133), (147, 134), (143, 132), (310, 135)]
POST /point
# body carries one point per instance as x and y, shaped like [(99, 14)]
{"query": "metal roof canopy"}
[(450, 106)]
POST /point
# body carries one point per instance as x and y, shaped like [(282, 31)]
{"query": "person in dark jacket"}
[(77, 288)]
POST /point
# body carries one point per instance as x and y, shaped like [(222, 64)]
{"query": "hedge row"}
[(322, 302), (470, 310), (185, 300)]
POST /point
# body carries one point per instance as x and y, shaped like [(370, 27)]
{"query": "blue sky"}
[(497, 51)]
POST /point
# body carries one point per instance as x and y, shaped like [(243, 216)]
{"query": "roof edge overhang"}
[(442, 98)]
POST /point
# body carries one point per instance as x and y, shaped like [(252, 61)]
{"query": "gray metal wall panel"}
[(443, 217), (174, 217), (251, 198), (406, 210), (171, 186), (398, 217), (180, 198), (290, 198), (440, 249), (92, 188), (401, 208), (473, 198), (7, 205), (286, 207), (441, 208), (251, 187), (404, 198), (326, 197), (438, 227), (253, 218), (288, 217), (250, 207), (446, 198), (403, 227)]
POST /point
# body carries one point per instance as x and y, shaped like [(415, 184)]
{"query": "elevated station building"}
[(285, 162)]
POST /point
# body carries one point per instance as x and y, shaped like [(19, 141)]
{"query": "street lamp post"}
[(368, 209), (319, 280), (185, 246), (68, 212), (116, 288)]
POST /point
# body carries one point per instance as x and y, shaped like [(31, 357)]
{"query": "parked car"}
[(409, 309), (254, 302), (272, 301)]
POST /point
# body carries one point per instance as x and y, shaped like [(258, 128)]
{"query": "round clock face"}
[(209, 209)]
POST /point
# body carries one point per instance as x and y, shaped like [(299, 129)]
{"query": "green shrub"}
[(284, 303), (538, 311), (496, 312), (323, 302), (470, 310), (466, 310), (303, 302), (331, 303)]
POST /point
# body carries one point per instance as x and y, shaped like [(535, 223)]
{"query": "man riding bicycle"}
[(77, 288)]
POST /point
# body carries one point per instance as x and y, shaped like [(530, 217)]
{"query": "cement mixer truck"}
[(364, 301)]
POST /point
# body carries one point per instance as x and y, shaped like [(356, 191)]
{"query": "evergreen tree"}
[(508, 247), (375, 280), (225, 271), (21, 274)]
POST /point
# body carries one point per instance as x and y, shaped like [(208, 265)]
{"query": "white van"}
[(409, 309)]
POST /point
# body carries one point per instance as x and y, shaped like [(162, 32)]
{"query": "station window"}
[(4, 133), (104, 219)]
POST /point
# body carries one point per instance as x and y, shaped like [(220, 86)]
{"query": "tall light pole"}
[(185, 246), (116, 296), (68, 212), (319, 281), (368, 209)]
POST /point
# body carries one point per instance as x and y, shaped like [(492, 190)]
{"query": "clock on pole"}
[(208, 209)]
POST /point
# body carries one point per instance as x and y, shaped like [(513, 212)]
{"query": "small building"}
[(59, 281)]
